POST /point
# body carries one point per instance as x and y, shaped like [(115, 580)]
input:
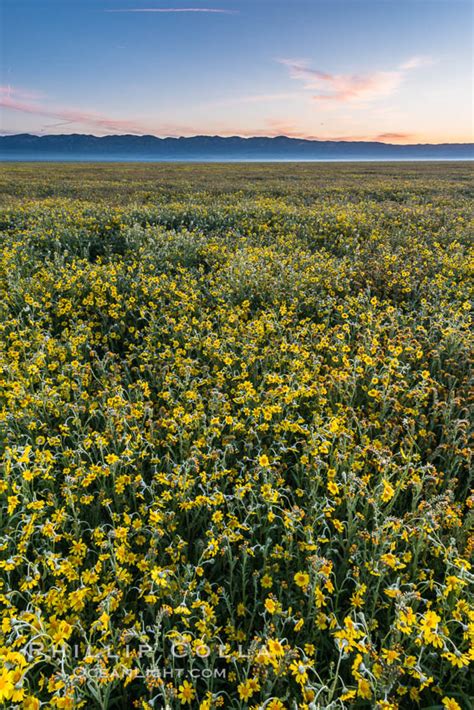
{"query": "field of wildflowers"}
[(235, 437)]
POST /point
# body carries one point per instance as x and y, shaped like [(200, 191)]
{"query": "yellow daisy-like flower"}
[(275, 704), (450, 704), (301, 579), (7, 684), (247, 689), (186, 693), (270, 605), (388, 491), (299, 671)]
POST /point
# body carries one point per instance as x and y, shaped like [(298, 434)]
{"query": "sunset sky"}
[(392, 70)]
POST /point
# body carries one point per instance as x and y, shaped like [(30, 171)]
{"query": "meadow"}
[(234, 436)]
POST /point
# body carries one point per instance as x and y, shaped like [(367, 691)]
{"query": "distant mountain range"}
[(25, 146)]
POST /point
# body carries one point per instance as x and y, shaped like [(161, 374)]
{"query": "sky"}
[(398, 71)]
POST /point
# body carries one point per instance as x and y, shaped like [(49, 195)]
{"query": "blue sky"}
[(392, 70)]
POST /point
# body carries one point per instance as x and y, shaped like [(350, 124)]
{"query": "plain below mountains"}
[(216, 148)]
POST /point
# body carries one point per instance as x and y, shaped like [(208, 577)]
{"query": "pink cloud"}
[(394, 137), (350, 87), (27, 102), (99, 123), (292, 132), (206, 10), (15, 101)]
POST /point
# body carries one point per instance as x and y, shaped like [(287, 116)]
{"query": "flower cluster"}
[(234, 437)]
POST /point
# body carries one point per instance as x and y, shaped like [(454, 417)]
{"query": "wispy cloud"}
[(416, 62), (9, 91), (25, 102), (165, 10), (343, 88), (14, 99)]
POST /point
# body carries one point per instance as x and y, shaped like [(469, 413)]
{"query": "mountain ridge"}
[(214, 147)]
